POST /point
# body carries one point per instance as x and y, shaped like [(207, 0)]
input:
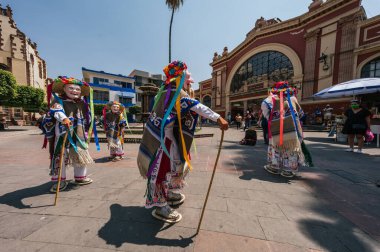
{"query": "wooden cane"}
[(212, 178), (60, 166)]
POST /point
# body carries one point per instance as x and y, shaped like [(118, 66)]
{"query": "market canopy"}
[(351, 88)]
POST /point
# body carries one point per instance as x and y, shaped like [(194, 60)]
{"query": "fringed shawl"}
[(287, 136), (151, 136), (114, 125), (77, 138)]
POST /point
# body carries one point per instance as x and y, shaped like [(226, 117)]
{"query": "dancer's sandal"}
[(175, 199), (114, 158), (62, 186), (271, 170), (166, 214), (287, 174), (85, 181)]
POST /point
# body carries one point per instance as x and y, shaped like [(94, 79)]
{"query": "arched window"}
[(271, 65), (207, 101), (40, 69), (32, 59), (4, 67), (371, 69)]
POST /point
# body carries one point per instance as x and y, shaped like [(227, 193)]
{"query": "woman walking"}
[(357, 123)]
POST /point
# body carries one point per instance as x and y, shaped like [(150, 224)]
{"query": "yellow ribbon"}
[(119, 130), (178, 108)]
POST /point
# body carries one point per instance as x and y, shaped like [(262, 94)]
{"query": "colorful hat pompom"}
[(173, 70), (59, 83), (111, 103), (70, 80), (283, 86)]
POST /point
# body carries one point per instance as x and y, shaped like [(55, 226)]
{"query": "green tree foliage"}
[(134, 110), (98, 108), (7, 86), (29, 98)]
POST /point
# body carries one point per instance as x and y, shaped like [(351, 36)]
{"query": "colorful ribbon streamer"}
[(126, 121), (158, 96), (185, 156), (281, 118), (293, 115), (168, 111), (92, 116)]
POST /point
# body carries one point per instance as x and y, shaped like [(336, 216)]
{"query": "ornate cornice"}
[(352, 19), (313, 34), (291, 24)]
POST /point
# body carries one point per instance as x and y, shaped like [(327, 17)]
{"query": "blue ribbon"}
[(293, 114), (58, 99), (168, 111), (96, 137), (71, 141)]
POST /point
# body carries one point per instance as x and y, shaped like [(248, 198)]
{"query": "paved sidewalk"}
[(19, 130), (331, 207)]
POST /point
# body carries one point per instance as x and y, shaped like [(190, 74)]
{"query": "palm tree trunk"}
[(170, 37)]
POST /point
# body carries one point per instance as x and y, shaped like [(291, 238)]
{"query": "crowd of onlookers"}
[(248, 119)]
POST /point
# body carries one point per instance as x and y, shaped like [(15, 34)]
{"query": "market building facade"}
[(333, 42), (19, 55)]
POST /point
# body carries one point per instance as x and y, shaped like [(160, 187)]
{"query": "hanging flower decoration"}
[(70, 80), (283, 86), (173, 70)]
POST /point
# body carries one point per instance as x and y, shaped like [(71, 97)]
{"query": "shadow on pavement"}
[(102, 160), (122, 229), (335, 235), (15, 198), (13, 130), (323, 140), (331, 140), (317, 146), (251, 162)]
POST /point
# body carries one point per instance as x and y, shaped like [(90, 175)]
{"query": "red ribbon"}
[(281, 118)]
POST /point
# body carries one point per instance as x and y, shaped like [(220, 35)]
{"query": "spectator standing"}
[(247, 120), (238, 120), (357, 123), (229, 117), (327, 115), (318, 116), (266, 107)]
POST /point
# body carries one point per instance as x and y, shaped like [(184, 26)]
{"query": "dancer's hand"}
[(223, 124), (66, 122)]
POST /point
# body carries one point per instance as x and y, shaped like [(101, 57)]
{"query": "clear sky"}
[(118, 36)]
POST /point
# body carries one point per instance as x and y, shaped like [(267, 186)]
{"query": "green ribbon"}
[(158, 96), (126, 120), (92, 115)]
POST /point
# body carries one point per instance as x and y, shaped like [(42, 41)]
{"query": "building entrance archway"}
[(288, 52)]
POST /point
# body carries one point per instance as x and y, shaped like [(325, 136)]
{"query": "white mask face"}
[(72, 91), (185, 86), (115, 108)]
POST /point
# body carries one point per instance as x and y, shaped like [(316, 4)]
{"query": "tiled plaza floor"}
[(334, 206)]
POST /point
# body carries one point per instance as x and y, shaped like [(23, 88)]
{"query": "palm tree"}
[(173, 5)]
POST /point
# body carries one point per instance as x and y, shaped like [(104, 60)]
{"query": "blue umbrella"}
[(351, 88)]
